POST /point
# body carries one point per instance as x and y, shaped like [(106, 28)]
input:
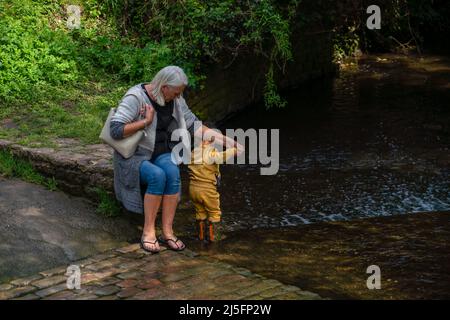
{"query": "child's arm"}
[(214, 156)]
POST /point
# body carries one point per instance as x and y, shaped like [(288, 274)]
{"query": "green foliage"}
[(271, 96), (128, 62), (405, 24), (30, 52), (345, 44), (198, 32), (11, 166), (45, 66), (107, 204)]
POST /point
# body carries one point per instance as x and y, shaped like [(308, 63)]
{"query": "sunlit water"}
[(374, 141)]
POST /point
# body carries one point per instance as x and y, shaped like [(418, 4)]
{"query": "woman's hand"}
[(133, 127), (149, 112)]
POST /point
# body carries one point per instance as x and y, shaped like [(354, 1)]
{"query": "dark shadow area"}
[(42, 229)]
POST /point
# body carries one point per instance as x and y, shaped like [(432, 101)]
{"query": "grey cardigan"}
[(127, 185)]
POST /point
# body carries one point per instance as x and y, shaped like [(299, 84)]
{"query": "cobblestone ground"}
[(131, 273)]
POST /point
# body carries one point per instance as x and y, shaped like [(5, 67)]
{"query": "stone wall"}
[(77, 169)]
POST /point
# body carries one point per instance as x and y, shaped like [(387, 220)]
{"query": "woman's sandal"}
[(151, 242), (166, 242)]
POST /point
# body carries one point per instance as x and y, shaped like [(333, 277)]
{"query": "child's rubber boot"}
[(201, 228), (215, 231)]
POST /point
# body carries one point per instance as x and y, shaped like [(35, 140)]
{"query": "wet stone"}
[(172, 277), (116, 261), (149, 283), (308, 295), (127, 283), (51, 290), (26, 281), (176, 286), (229, 278), (229, 296), (148, 294), (129, 248), (16, 292), (88, 277), (216, 273), (133, 255), (63, 295), (250, 291), (86, 297), (30, 296), (102, 274), (287, 296), (189, 253), (131, 264), (5, 287), (55, 271), (47, 282), (129, 275), (107, 281), (111, 297), (106, 291), (128, 292), (271, 292)]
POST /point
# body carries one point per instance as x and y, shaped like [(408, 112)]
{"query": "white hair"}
[(172, 76)]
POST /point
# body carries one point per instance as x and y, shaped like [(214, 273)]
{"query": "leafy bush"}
[(345, 44), (30, 52), (198, 32), (37, 48)]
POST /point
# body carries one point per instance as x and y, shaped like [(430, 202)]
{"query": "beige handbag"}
[(126, 146)]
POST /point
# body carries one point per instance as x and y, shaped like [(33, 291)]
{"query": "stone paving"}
[(131, 273)]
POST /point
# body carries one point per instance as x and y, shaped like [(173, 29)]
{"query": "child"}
[(204, 176)]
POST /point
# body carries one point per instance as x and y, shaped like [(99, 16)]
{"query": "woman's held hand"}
[(149, 112)]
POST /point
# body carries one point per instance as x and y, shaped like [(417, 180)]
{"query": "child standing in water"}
[(204, 178)]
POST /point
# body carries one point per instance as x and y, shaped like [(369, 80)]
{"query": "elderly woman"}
[(159, 108)]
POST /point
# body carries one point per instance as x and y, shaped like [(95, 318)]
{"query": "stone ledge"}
[(77, 168)]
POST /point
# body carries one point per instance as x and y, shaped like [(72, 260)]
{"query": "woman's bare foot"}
[(173, 242), (150, 244)]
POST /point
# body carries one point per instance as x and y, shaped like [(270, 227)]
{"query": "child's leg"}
[(200, 211), (212, 205)]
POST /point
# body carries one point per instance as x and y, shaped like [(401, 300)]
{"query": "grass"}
[(11, 166), (76, 112), (108, 205)]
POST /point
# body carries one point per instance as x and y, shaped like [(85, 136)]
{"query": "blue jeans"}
[(161, 177)]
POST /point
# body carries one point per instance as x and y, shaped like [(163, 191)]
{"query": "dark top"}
[(162, 139)]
